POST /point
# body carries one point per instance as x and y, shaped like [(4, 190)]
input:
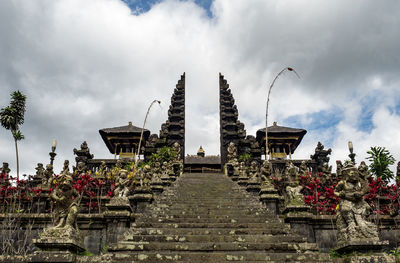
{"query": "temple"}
[(282, 141), (123, 141), (172, 207)]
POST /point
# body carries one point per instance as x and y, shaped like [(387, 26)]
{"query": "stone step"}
[(208, 231), (243, 256), (204, 220), (218, 238), (275, 247), (207, 225)]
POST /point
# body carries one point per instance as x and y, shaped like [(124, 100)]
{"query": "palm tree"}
[(12, 116), (380, 159)]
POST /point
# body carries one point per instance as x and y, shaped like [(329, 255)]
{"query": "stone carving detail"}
[(173, 130), (351, 218), (364, 172), (65, 169), (65, 199), (339, 168), (321, 156), (39, 171), (83, 154), (122, 184), (102, 171), (294, 197), (303, 169), (232, 151), (80, 169), (253, 171), (5, 170), (47, 180)]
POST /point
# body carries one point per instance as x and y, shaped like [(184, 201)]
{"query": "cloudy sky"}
[(87, 65)]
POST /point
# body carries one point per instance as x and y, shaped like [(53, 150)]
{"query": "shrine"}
[(124, 141), (282, 141)]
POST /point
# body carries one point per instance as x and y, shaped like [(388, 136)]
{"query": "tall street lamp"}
[(266, 114), (141, 134)]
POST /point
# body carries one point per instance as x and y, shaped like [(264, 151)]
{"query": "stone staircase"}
[(209, 218)]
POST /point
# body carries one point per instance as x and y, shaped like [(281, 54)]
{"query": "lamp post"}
[(351, 155), (141, 134), (52, 153), (266, 114)]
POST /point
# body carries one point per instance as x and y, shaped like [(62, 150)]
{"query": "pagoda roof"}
[(124, 129), (282, 133), (128, 134)]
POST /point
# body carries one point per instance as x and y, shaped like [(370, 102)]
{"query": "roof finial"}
[(130, 123), (275, 123)]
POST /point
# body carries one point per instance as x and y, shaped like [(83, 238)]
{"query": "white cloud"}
[(87, 65)]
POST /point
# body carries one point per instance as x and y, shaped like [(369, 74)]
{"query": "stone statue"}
[(303, 169), (232, 151), (39, 170), (364, 172), (65, 199), (242, 170), (101, 172), (339, 168), (5, 170), (65, 168), (122, 184), (351, 217), (177, 149), (83, 154), (321, 155), (266, 172), (47, 180), (80, 169), (253, 170), (145, 177), (293, 189)]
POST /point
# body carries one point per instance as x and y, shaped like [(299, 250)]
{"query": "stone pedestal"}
[(270, 197), (299, 217), (58, 245), (361, 246), (118, 217), (141, 198), (364, 250)]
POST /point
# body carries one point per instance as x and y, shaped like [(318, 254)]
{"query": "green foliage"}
[(13, 115), (246, 158), (104, 249), (381, 159), (395, 252), (164, 154)]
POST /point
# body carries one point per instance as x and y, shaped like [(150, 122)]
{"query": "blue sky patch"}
[(142, 6)]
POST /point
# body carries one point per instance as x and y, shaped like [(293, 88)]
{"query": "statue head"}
[(84, 145), (39, 166), (123, 173), (351, 172), (146, 168), (49, 167)]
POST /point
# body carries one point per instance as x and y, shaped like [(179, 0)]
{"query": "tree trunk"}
[(16, 153)]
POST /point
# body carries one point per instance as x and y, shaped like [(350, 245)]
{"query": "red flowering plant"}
[(318, 190), (383, 198)]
